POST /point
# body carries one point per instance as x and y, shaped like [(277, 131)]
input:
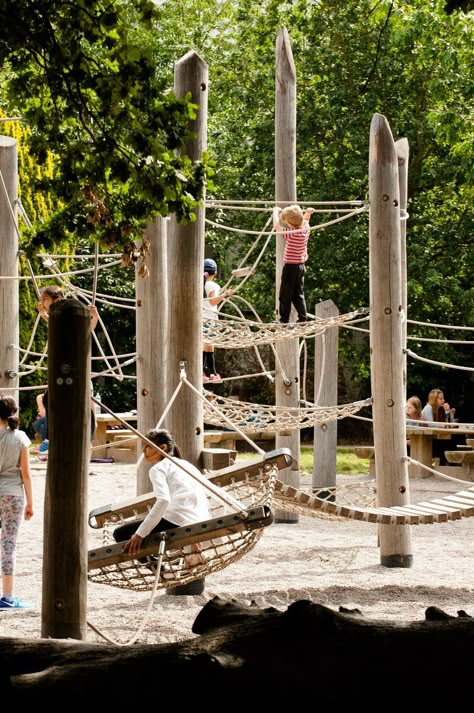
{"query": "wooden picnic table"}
[(421, 445), (103, 420)]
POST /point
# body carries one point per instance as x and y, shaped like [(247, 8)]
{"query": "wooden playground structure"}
[(175, 343)]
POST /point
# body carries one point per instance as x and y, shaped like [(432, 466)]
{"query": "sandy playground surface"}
[(331, 562)]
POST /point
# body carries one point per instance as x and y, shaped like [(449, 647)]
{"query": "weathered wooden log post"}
[(64, 605), (403, 153), (186, 257), (287, 392), (325, 386), (152, 338), (9, 305), (386, 317)]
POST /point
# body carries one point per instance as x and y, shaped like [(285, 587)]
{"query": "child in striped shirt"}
[(296, 236)]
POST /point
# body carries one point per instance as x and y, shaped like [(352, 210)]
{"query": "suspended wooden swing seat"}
[(192, 551)]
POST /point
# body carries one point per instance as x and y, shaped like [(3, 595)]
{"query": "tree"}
[(88, 85)]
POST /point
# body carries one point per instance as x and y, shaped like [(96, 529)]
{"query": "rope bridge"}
[(235, 334), (192, 551), (451, 507), (249, 417)]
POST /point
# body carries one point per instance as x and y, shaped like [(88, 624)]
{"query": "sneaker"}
[(15, 603), (205, 378), (44, 447), (215, 378)]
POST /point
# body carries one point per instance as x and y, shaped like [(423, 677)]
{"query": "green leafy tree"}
[(91, 91)]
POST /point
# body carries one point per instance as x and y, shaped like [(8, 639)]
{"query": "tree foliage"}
[(91, 91)]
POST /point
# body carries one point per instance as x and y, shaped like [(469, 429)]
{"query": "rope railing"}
[(437, 363), (311, 228)]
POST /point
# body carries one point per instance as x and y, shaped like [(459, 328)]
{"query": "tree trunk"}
[(268, 656)]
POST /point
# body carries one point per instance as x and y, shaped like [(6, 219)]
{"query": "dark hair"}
[(162, 437), (52, 291), (8, 409)]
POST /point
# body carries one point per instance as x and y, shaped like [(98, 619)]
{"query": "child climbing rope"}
[(296, 236), (210, 314), (15, 484)]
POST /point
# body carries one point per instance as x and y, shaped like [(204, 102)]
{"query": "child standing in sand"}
[(15, 486)]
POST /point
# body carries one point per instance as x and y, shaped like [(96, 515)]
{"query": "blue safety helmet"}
[(210, 266)]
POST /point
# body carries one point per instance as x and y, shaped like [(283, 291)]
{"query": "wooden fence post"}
[(9, 303), (402, 153), (325, 386), (186, 258), (152, 339), (386, 317), (64, 605), (287, 392)]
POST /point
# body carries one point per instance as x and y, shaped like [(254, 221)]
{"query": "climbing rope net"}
[(234, 334), (250, 417)]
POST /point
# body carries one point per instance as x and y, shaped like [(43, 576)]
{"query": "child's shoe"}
[(44, 447), (215, 378), (205, 378), (15, 603)]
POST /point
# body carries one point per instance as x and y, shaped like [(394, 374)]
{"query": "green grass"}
[(346, 461)]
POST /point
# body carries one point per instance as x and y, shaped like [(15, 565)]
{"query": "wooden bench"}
[(228, 439), (465, 458)]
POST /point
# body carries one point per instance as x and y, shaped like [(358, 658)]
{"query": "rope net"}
[(251, 417), (234, 334), (182, 565), (361, 494)]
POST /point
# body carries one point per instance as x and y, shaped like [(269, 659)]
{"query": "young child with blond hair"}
[(293, 225)]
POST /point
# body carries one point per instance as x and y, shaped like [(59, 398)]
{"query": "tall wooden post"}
[(386, 317), (287, 392), (402, 153), (325, 386), (64, 606), (152, 338), (185, 259), (9, 304)]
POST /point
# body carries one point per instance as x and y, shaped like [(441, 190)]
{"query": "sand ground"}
[(331, 562)]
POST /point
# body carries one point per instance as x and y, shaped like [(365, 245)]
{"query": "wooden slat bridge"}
[(451, 507)]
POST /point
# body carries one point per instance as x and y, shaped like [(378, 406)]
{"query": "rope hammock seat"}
[(250, 417), (451, 507), (192, 551), (235, 334)]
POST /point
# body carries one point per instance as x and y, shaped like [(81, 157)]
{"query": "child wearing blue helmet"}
[(211, 298)]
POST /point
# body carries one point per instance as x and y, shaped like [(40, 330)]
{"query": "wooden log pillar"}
[(402, 149), (325, 394), (64, 606), (287, 391), (386, 316), (186, 257), (9, 303), (152, 338)]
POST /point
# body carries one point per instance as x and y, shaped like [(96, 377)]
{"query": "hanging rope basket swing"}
[(188, 553)]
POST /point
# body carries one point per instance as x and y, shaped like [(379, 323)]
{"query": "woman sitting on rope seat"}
[(179, 496)]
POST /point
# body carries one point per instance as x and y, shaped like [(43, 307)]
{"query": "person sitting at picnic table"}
[(438, 413), (413, 414)]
